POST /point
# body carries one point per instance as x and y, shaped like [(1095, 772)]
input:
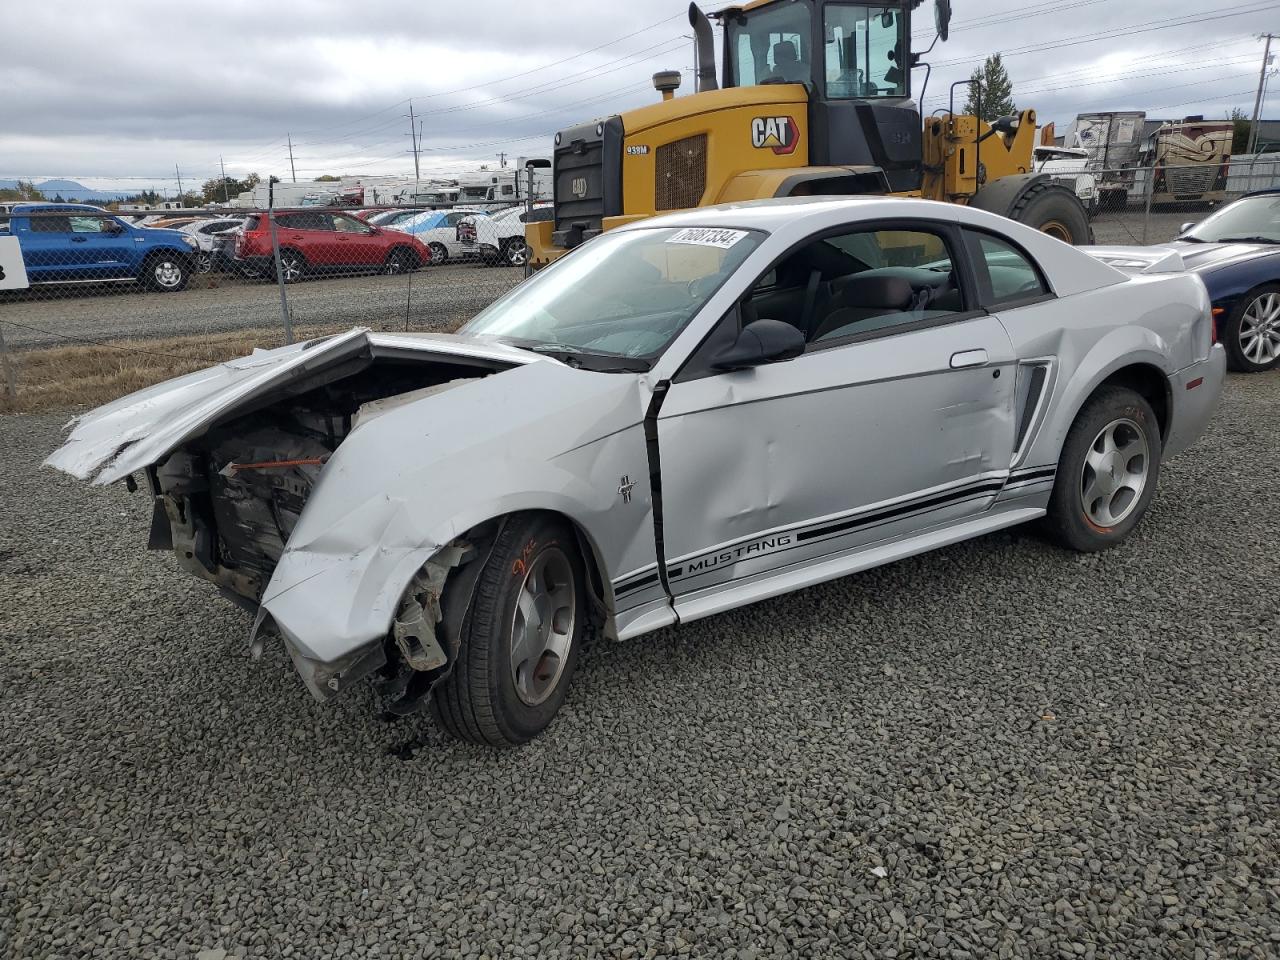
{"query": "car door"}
[(105, 244), (310, 232), (358, 245), (898, 416)]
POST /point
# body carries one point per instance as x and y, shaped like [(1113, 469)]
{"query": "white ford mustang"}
[(681, 416)]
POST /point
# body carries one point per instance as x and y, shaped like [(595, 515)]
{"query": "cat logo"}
[(579, 187), (779, 134)]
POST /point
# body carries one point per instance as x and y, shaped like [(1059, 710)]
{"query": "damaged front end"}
[(234, 455)]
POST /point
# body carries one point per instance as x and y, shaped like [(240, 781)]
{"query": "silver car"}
[(681, 416)]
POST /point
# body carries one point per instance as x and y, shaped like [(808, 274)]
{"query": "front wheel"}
[(1252, 331), (166, 273), (1107, 473), (521, 638), (399, 261), (1053, 209), (515, 253), (439, 254)]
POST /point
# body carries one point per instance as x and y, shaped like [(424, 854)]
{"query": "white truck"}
[(1070, 166)]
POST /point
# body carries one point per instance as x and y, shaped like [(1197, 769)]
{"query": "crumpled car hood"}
[(139, 430)]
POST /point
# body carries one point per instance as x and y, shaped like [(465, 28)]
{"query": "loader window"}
[(771, 46), (864, 46)]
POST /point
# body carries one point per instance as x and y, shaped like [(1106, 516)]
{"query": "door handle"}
[(968, 358), (79, 239)]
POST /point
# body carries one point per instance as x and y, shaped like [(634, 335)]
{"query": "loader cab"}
[(855, 60)]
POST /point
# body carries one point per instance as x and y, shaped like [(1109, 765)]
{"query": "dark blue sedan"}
[(1236, 251)]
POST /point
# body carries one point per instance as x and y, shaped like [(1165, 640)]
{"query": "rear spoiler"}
[(1139, 260)]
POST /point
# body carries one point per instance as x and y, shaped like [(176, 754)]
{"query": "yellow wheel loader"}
[(815, 99)]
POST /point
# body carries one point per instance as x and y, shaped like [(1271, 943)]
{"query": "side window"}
[(1006, 275), (862, 48), (88, 224), (47, 224), (904, 277), (348, 225)]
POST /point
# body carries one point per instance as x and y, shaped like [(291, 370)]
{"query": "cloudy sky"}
[(118, 93)]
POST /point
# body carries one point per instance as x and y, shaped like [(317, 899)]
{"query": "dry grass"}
[(60, 378)]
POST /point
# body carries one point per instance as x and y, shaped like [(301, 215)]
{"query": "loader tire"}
[(1053, 209)]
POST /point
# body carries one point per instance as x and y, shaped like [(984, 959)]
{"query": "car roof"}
[(39, 207)]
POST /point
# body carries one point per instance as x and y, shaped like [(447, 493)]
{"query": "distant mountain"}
[(69, 190)]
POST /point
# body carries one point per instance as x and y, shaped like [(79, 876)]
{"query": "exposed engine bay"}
[(227, 502)]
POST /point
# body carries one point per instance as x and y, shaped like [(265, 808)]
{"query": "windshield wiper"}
[(1247, 240), (1191, 240), (581, 359)]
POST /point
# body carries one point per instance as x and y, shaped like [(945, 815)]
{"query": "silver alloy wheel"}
[(395, 264), (167, 273), (291, 267), (1260, 330), (542, 626), (439, 253), (1115, 473), (517, 253), (204, 263)]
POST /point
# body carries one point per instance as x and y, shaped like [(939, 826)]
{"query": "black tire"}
[(478, 701), (1068, 521), (293, 265), (166, 273), (400, 260), (439, 254), (1053, 209), (515, 252), (1230, 335)]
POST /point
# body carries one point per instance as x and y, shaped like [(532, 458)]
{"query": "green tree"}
[(1243, 129), (328, 178), (220, 189), (996, 93), (26, 190)]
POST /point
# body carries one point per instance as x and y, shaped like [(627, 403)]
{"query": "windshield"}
[(770, 45), (1253, 218), (622, 295)]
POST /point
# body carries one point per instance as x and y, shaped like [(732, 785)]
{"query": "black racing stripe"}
[(868, 519), (810, 560), (1039, 474), (646, 581)]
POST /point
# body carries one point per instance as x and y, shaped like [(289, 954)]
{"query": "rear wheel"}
[(439, 253), (1252, 331), (293, 266), (166, 273), (520, 638), (1107, 473), (1053, 209)]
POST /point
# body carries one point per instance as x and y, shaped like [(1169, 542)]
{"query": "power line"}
[(1129, 31)]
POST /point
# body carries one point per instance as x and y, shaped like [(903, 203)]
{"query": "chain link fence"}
[(188, 287), (184, 280)]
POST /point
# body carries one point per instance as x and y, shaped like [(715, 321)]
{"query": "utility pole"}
[(416, 137), (226, 192), (502, 161), (1257, 104), (289, 137), (179, 174)]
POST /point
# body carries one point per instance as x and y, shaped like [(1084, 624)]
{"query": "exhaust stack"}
[(705, 47)]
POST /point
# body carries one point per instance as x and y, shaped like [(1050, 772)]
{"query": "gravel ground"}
[(437, 297), (995, 750)]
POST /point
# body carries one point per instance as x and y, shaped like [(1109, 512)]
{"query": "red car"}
[(321, 241)]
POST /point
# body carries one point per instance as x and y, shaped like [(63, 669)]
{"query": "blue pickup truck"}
[(78, 243)]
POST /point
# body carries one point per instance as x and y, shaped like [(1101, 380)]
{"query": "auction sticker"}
[(708, 237), (13, 272)]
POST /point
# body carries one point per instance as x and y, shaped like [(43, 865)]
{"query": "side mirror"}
[(114, 228), (942, 18), (1185, 227), (761, 342)]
